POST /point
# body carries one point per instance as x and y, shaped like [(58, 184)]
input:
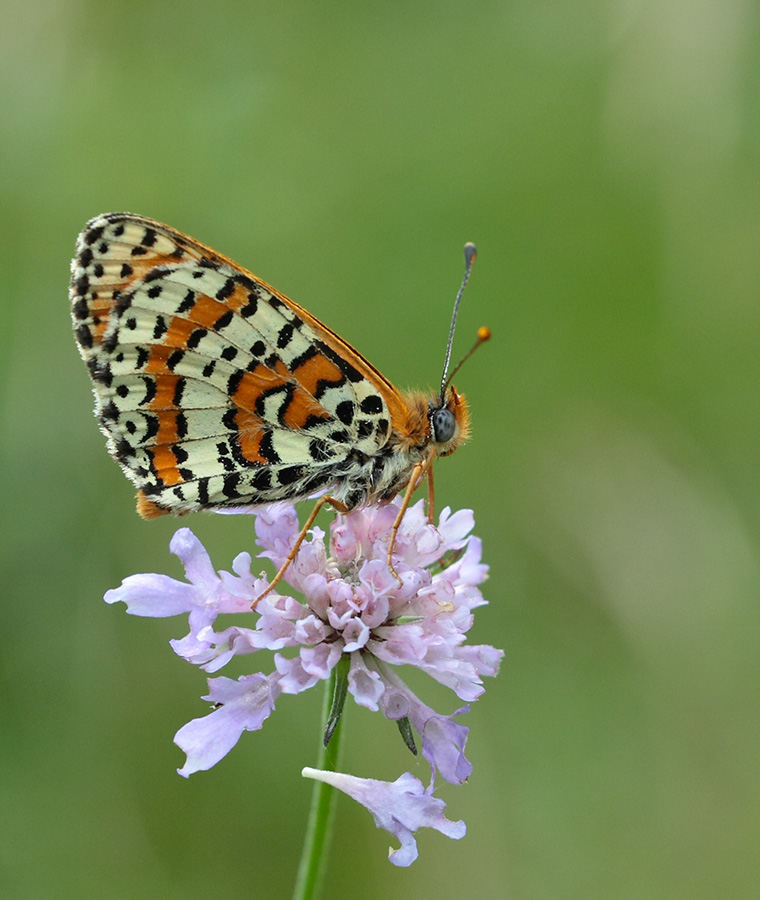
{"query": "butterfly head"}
[(449, 422), (448, 416)]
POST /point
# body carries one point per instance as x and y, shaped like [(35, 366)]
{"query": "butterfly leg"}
[(431, 496), (297, 544), (418, 473)]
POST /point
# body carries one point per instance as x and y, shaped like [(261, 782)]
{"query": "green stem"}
[(316, 846)]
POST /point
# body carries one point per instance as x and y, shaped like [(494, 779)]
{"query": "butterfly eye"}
[(444, 425)]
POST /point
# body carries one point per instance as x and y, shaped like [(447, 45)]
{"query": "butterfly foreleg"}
[(297, 543), (421, 470), (431, 496)]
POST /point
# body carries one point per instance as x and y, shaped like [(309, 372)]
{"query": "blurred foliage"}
[(604, 157)]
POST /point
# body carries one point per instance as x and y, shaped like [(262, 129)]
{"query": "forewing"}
[(212, 389)]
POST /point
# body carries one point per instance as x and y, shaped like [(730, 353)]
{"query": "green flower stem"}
[(316, 847)]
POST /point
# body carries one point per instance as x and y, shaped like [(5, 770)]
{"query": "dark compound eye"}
[(444, 425)]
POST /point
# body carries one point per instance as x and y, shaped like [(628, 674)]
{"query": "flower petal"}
[(443, 740), (245, 705), (455, 528), (153, 595), (401, 807), (364, 684), (355, 634), (194, 557), (322, 659), (276, 529), (443, 743), (293, 676)]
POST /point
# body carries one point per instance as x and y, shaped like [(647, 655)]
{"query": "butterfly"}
[(215, 390)]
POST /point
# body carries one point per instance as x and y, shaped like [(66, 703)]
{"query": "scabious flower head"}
[(352, 606)]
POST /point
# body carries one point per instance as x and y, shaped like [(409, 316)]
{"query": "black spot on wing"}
[(82, 285), (372, 405), (195, 337), (174, 359), (151, 428), (150, 391), (345, 411), (84, 337), (93, 235), (226, 289), (80, 309), (290, 474), (230, 485), (224, 320), (285, 335), (155, 274), (262, 479), (250, 307)]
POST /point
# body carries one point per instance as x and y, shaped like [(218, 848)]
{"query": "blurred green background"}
[(604, 157)]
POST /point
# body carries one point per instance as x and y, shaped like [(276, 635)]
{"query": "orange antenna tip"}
[(482, 336)]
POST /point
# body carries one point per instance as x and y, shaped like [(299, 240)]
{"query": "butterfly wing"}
[(211, 387)]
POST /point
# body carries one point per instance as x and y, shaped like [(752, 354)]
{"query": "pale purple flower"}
[(242, 705), (400, 807), (353, 606)]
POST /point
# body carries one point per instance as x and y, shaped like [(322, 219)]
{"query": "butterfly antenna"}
[(470, 253), (483, 335)]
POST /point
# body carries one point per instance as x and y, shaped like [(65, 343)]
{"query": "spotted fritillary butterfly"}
[(215, 390)]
